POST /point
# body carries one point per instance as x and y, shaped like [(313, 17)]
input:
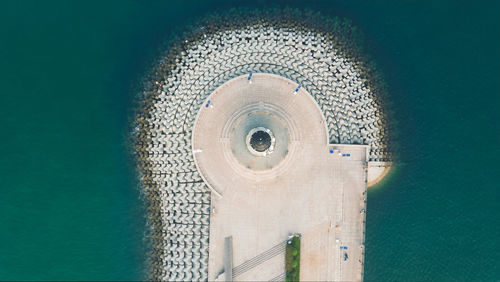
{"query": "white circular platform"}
[(238, 106)]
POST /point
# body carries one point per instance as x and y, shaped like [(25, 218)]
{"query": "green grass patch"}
[(292, 258)]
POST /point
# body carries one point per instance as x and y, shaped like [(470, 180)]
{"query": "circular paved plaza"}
[(279, 117)]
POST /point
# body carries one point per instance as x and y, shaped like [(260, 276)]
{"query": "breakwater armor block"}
[(322, 55)]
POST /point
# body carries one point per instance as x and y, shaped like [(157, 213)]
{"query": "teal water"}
[(70, 208)]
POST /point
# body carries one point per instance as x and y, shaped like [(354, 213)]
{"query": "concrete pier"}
[(321, 80), (309, 190)]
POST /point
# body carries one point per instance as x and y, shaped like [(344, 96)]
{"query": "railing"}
[(261, 258)]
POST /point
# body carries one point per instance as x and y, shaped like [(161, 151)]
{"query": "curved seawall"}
[(321, 55)]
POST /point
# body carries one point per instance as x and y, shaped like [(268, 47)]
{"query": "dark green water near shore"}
[(70, 208)]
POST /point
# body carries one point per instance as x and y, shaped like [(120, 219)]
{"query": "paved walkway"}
[(316, 189)]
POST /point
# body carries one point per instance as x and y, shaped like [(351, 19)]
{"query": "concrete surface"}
[(312, 189), (377, 171)]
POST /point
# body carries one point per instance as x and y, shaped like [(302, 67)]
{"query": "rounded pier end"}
[(256, 132), (377, 171)]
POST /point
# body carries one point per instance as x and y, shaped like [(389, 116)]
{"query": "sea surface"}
[(70, 206)]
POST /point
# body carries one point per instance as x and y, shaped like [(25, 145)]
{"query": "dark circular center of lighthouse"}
[(260, 141)]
